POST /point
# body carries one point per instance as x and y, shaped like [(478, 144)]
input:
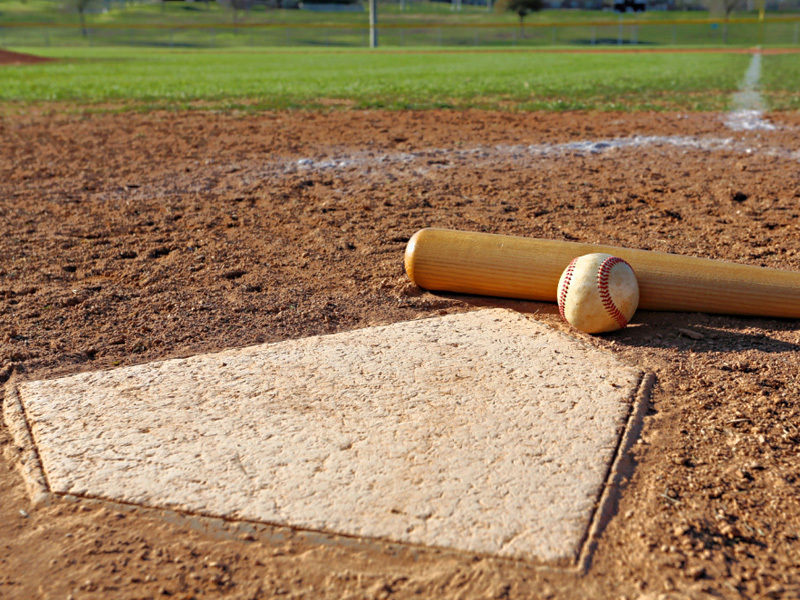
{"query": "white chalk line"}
[(748, 104), (451, 157), (424, 163), (747, 115)]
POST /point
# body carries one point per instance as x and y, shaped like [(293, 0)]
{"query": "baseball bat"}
[(526, 268)]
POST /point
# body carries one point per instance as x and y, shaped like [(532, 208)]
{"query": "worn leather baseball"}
[(598, 293)]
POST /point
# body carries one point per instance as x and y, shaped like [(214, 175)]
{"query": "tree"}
[(522, 8), (236, 6), (80, 6), (725, 8)]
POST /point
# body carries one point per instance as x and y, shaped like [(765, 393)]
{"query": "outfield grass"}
[(780, 81), (318, 78), (147, 59)]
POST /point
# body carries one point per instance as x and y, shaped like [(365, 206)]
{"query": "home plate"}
[(484, 432)]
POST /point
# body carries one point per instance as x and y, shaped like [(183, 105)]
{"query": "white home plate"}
[(486, 432)]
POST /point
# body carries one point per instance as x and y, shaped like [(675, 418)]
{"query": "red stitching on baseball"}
[(562, 297), (605, 294)]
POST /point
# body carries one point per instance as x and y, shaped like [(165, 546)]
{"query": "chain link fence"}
[(622, 32)]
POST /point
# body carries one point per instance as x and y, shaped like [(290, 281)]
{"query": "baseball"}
[(598, 293)]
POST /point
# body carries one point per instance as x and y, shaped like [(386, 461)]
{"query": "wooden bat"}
[(526, 268)]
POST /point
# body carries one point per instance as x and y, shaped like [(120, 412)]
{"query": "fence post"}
[(373, 23)]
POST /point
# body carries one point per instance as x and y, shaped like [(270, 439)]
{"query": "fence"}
[(622, 32)]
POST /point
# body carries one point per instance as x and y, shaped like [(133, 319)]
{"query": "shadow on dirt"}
[(703, 333)]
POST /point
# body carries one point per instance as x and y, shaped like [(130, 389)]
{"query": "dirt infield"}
[(17, 58), (132, 237)]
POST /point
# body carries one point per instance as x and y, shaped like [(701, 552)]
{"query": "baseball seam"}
[(562, 297), (605, 293)]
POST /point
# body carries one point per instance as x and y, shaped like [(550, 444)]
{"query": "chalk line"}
[(748, 104)]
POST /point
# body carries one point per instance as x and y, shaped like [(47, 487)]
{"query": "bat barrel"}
[(527, 268)]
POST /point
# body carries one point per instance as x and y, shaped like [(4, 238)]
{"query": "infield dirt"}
[(132, 237), (18, 58)]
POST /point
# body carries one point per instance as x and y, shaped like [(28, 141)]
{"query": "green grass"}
[(146, 59), (108, 78), (780, 81)]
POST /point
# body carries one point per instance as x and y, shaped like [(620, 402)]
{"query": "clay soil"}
[(17, 58), (130, 237)]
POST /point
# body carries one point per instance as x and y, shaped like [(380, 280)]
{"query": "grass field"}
[(780, 81), (318, 78), (145, 58)]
